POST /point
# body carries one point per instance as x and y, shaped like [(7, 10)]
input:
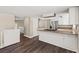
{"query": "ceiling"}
[(22, 11)]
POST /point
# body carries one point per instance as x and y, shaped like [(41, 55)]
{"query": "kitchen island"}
[(65, 40)]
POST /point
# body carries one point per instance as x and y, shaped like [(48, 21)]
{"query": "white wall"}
[(7, 21), (45, 24), (20, 23), (30, 26), (27, 26)]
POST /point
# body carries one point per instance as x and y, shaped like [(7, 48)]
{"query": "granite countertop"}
[(61, 31)]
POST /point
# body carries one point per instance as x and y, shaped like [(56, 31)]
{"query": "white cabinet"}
[(66, 41), (63, 19), (74, 15), (52, 38), (56, 39), (70, 42), (78, 41)]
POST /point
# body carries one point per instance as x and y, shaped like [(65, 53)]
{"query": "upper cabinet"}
[(63, 19), (74, 15)]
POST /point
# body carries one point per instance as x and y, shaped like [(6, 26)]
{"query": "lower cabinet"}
[(62, 40), (70, 42), (52, 38)]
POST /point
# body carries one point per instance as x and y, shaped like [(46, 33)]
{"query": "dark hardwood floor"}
[(33, 46)]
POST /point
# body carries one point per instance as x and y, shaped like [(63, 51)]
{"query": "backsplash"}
[(64, 26)]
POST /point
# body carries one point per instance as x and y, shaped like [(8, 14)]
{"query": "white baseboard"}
[(30, 36)]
